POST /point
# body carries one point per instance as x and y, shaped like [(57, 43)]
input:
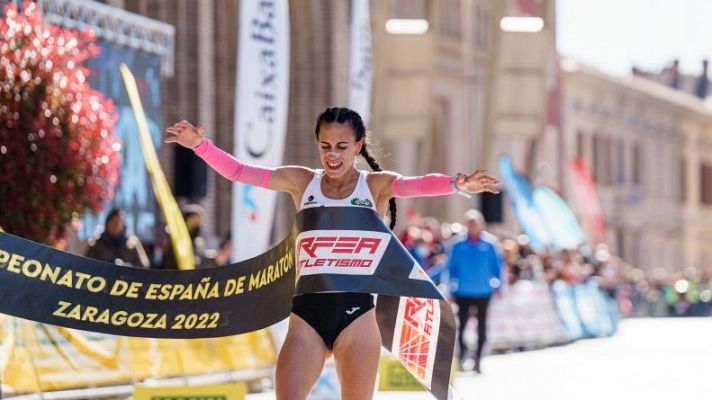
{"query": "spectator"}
[(703, 82), (115, 246), (417, 247), (222, 254), (475, 270), (193, 216), (674, 78)]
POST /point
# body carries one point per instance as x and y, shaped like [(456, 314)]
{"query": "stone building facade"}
[(202, 89), (649, 149)]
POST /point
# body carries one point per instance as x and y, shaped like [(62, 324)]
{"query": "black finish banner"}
[(329, 249)]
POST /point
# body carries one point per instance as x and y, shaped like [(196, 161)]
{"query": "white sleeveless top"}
[(360, 197)]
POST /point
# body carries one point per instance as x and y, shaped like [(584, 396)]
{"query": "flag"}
[(180, 238)]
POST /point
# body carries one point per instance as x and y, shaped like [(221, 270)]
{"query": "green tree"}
[(58, 155)]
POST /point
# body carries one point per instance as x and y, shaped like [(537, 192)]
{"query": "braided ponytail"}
[(375, 167), (344, 115)]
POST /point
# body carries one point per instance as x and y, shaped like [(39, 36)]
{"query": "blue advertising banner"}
[(521, 197), (134, 193), (565, 303), (566, 233), (541, 213)]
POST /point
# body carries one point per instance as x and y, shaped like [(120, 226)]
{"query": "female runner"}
[(325, 324)]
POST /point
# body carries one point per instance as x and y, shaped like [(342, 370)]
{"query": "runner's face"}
[(338, 148)]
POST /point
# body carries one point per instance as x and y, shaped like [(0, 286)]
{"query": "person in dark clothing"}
[(222, 254), (475, 268), (114, 245), (703, 82), (193, 216)]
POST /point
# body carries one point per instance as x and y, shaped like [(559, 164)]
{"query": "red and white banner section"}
[(414, 339), (344, 252), (588, 204), (416, 322), (343, 249)]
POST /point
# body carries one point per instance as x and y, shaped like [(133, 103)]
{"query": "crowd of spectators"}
[(638, 292)]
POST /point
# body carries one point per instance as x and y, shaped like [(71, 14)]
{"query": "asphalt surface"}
[(649, 359)]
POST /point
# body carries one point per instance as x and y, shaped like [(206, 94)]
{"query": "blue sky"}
[(613, 35)]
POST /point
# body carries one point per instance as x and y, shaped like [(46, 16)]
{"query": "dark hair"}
[(343, 115), (115, 212), (192, 209)]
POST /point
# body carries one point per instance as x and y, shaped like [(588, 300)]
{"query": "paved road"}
[(649, 359)]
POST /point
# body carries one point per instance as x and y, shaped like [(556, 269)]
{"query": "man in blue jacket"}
[(475, 269)]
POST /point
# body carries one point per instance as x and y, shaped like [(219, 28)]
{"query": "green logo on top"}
[(363, 203)]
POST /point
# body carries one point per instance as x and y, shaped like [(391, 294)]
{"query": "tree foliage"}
[(58, 155)]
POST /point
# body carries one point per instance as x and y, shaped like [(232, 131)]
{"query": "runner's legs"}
[(300, 361), (356, 353)]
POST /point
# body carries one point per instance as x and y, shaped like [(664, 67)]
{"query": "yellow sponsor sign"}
[(392, 375), (234, 391), (37, 358)]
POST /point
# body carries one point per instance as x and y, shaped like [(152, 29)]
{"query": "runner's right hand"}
[(185, 134)]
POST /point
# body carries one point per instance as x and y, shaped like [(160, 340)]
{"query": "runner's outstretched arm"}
[(286, 178), (390, 184)]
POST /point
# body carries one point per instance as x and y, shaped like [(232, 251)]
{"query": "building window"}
[(633, 256), (620, 243), (620, 161), (602, 158), (683, 180), (637, 164), (596, 167), (449, 22), (668, 158), (706, 184), (608, 160)]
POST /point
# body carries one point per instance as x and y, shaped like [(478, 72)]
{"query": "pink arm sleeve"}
[(427, 185), (230, 167)]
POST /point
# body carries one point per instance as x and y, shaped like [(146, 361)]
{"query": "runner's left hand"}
[(478, 182)]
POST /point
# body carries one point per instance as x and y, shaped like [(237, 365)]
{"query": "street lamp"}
[(397, 26), (522, 24)]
